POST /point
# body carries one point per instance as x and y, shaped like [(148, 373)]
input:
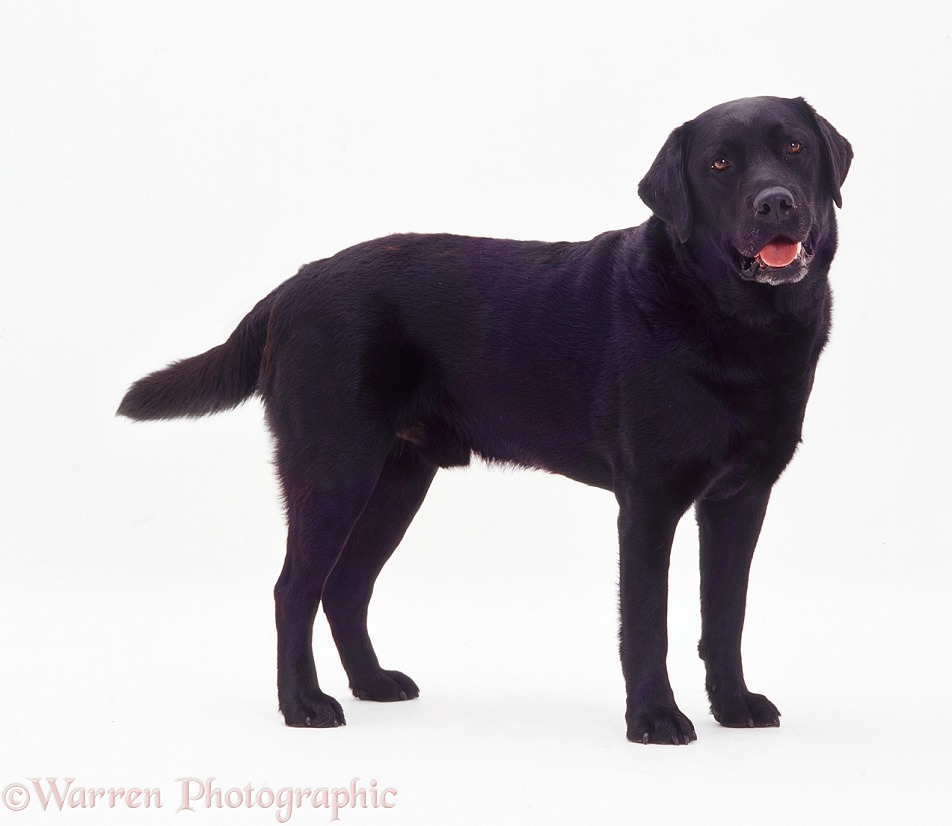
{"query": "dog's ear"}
[(837, 152), (664, 188)]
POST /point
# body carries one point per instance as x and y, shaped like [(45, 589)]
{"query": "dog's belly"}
[(444, 443)]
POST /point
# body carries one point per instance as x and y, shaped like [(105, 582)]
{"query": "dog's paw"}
[(385, 687), (665, 725), (313, 709), (744, 710)]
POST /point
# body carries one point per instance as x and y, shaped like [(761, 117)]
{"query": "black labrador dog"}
[(669, 363)]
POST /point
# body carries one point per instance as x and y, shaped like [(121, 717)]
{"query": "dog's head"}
[(752, 181)]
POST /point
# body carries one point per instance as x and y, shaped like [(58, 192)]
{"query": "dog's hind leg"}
[(320, 520), (398, 494)]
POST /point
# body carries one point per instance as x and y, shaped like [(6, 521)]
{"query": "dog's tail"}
[(217, 380)]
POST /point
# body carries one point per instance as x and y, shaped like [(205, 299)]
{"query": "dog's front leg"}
[(646, 530), (729, 529)]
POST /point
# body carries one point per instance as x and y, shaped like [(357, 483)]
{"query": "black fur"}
[(670, 363)]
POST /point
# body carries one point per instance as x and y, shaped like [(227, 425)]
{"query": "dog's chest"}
[(691, 424), (754, 419)]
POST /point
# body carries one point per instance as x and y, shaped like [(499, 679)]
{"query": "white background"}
[(164, 165)]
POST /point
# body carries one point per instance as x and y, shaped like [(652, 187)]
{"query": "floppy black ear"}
[(838, 154), (664, 189)]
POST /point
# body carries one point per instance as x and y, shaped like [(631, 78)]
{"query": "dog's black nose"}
[(775, 201)]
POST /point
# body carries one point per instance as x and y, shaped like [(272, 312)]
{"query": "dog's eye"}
[(794, 147), (720, 164)]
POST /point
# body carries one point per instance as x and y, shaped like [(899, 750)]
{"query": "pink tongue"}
[(779, 253)]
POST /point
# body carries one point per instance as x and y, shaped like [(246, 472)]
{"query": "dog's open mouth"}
[(781, 252), (781, 260)]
